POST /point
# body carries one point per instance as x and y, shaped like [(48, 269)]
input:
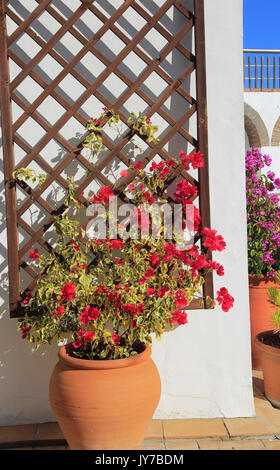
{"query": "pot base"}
[(275, 403)]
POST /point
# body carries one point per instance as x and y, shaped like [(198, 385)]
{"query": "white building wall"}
[(205, 365), (267, 105)]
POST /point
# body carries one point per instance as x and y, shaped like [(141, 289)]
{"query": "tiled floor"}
[(259, 433)]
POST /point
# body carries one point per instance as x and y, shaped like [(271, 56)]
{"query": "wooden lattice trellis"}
[(194, 20)]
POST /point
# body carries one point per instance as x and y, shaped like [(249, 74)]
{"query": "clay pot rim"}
[(87, 364), (271, 350), (261, 282)]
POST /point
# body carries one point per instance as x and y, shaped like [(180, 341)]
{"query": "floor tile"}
[(253, 444), (251, 427), (49, 431), (215, 445), (22, 432), (193, 428), (272, 444), (155, 430), (152, 444), (181, 444)]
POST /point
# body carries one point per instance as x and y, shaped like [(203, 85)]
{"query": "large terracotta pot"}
[(104, 405), (261, 311), (270, 357)]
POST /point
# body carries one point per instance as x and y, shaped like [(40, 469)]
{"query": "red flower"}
[(24, 331), (131, 187), (154, 259), (199, 263), (89, 314), (68, 291), (218, 267), (27, 299), (78, 343), (124, 173), (116, 339), (89, 336), (185, 190), (117, 261), (133, 309), (150, 291), (34, 254), (213, 241), (59, 311), (104, 195), (146, 276), (115, 244), (181, 300), (197, 160), (224, 299), (179, 317), (162, 291), (138, 165)]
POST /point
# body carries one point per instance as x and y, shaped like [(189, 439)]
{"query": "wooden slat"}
[(43, 52), (8, 153), (202, 129), (27, 22)]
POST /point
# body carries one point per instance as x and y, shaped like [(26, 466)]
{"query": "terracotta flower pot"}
[(261, 311), (104, 405), (270, 357)]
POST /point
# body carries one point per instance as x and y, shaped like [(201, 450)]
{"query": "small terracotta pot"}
[(270, 357), (105, 404), (261, 311)]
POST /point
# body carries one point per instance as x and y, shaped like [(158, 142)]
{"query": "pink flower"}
[(124, 173)]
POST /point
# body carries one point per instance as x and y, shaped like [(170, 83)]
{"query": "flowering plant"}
[(113, 292), (263, 216)]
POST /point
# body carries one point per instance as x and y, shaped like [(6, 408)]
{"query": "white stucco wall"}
[(205, 365), (267, 105)]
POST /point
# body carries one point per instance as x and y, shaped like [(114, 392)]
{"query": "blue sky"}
[(261, 24)]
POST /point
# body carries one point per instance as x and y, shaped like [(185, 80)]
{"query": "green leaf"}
[(85, 280)]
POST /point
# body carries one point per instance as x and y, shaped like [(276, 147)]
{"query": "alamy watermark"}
[(157, 220)]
